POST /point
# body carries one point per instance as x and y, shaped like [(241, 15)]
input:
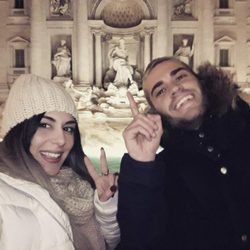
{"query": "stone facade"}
[(218, 31), (72, 41)]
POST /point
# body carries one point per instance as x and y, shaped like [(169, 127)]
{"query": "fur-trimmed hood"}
[(218, 88)]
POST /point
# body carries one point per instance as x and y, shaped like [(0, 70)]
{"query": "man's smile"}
[(183, 101)]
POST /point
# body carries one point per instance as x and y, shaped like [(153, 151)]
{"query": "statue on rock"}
[(120, 72), (62, 60)]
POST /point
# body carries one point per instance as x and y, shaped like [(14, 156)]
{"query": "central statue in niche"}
[(118, 57), (119, 78), (110, 100), (120, 72)]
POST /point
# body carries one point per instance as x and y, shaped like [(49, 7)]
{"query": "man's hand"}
[(143, 134)]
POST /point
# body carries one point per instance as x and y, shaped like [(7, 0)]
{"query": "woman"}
[(47, 200)]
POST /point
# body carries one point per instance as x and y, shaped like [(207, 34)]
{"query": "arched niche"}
[(137, 38), (101, 4), (138, 43)]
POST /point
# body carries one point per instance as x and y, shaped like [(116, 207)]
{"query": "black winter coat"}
[(196, 195)]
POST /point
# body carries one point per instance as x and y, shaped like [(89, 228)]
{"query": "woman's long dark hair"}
[(21, 135)]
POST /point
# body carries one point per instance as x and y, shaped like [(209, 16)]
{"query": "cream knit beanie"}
[(32, 95)]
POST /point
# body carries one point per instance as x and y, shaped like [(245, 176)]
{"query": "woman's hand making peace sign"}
[(106, 183), (143, 134)]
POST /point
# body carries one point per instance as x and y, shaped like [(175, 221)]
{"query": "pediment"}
[(225, 40), (18, 40)]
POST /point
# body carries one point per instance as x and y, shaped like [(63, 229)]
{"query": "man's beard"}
[(183, 123), (193, 124)]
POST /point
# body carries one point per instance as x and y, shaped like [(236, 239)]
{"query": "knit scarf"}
[(74, 194), (76, 198)]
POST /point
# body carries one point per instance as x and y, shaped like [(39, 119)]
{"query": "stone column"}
[(147, 53), (162, 40), (82, 41), (241, 60), (207, 34), (4, 13), (38, 22), (98, 58), (91, 58)]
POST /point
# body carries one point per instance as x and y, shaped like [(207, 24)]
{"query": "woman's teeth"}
[(51, 155)]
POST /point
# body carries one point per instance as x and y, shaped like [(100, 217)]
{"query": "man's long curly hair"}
[(218, 87)]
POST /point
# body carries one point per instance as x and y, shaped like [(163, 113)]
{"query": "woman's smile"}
[(53, 141)]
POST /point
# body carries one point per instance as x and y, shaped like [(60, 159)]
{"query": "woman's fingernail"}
[(113, 188)]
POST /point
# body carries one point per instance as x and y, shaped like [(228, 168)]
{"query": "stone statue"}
[(119, 63), (64, 8), (185, 51), (61, 60), (183, 9), (60, 7), (54, 6)]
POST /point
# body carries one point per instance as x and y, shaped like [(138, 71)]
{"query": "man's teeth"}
[(183, 100), (51, 155)]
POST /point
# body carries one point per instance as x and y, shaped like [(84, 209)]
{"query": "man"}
[(195, 193)]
